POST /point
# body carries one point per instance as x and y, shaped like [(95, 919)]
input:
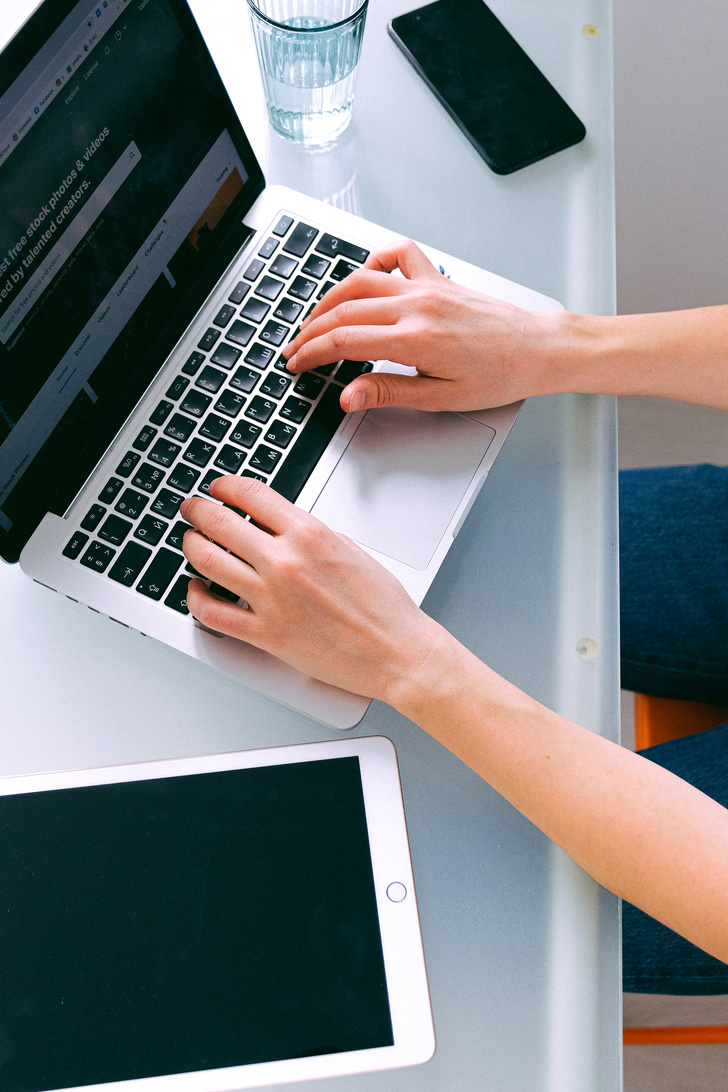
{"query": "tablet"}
[(212, 923)]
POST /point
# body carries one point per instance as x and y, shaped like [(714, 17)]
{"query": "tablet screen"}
[(187, 923)]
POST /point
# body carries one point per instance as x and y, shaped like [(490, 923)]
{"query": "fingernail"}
[(292, 362), (357, 400)]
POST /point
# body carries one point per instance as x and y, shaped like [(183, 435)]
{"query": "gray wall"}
[(671, 75)]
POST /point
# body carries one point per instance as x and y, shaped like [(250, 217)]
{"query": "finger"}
[(218, 615), (332, 333), (405, 256), (266, 507), (362, 285), (389, 389), (217, 564)]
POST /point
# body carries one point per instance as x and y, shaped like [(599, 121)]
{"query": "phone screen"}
[(487, 83)]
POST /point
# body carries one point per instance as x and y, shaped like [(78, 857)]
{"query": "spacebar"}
[(310, 445)]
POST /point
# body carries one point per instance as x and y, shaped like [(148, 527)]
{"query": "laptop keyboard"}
[(231, 408)]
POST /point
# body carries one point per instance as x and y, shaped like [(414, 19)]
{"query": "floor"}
[(653, 432)]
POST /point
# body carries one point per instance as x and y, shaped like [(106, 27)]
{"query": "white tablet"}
[(212, 923)]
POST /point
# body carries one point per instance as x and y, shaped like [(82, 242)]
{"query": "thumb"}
[(390, 389)]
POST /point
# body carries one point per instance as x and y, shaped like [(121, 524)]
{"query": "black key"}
[(342, 269), (111, 490), (131, 503), (309, 446), (196, 403), (333, 247), (175, 536), (148, 478), (252, 474), (350, 369), (302, 288), (239, 292), (264, 459), (75, 545), (300, 239), (288, 310), (161, 413), (226, 356), (255, 310), (324, 289), (283, 266), (144, 438), (315, 266), (164, 453), (260, 409), (230, 403), (93, 517), (209, 478), (98, 557), (166, 503), (208, 340), (274, 333), (309, 385), (199, 452), (269, 288), (295, 409), (268, 248), (275, 385), (115, 529), (210, 379), (259, 355), (280, 434), (240, 332), (160, 573), (283, 225), (129, 564), (214, 427), (224, 593), (179, 428), (178, 387), (326, 369), (151, 529), (244, 379), (128, 463), (183, 477), (230, 458), (254, 270), (193, 364), (282, 364), (245, 434), (226, 312), (177, 598)]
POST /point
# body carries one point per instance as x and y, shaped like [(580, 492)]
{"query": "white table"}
[(522, 948)]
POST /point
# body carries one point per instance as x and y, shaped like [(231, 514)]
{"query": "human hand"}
[(316, 600), (471, 351)]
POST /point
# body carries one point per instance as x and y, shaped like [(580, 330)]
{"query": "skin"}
[(320, 603)]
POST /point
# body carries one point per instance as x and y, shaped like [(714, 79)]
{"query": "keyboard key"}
[(131, 503), (214, 427), (178, 387), (177, 598), (175, 536), (193, 364), (231, 458), (98, 557), (333, 247), (268, 248), (260, 409), (166, 503), (160, 574), (342, 269), (274, 333), (230, 403), (179, 428), (183, 477), (128, 463), (252, 474), (315, 266), (199, 452), (164, 453), (244, 379), (93, 517), (129, 564), (283, 266), (309, 385), (208, 340), (280, 434), (283, 225), (224, 593), (302, 288), (209, 478), (226, 312), (239, 292), (255, 310), (324, 289), (144, 438), (226, 356), (151, 529), (196, 403), (300, 239), (326, 369), (245, 434), (148, 478), (310, 444), (115, 529), (75, 544), (264, 459), (161, 413), (210, 379), (281, 364), (275, 385), (269, 288), (240, 332), (295, 409), (259, 355), (111, 490), (254, 270), (288, 310), (350, 369)]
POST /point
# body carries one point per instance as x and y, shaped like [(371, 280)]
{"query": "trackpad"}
[(400, 480)]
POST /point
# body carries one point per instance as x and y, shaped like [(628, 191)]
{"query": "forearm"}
[(637, 829)]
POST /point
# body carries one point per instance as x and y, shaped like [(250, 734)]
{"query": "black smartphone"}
[(505, 106)]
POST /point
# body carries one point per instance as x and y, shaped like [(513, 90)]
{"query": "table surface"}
[(522, 947)]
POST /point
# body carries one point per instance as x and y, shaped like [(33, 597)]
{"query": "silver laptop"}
[(148, 283)]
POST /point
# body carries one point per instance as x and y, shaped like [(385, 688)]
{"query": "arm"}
[(472, 351), (322, 604)]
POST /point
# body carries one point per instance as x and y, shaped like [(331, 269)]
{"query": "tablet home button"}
[(396, 892)]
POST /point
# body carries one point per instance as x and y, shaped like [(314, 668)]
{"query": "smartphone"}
[(490, 87)]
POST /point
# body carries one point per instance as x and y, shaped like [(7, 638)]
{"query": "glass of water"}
[(308, 52)]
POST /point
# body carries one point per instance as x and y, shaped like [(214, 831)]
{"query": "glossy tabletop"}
[(522, 947)]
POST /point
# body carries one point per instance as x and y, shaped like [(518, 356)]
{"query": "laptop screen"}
[(124, 175)]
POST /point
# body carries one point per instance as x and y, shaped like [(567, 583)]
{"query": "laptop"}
[(148, 282)]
